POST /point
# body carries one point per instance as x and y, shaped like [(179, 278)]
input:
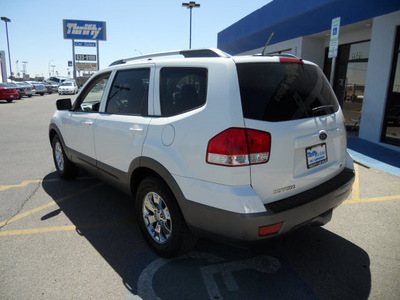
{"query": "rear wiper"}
[(323, 107)]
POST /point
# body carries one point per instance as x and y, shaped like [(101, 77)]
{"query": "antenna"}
[(270, 37)]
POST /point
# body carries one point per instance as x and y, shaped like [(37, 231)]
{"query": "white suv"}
[(246, 147)]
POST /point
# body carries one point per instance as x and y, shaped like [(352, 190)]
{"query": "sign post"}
[(85, 30), (334, 45)]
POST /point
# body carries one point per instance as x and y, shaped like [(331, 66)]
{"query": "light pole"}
[(24, 67), (6, 20), (49, 67), (190, 5)]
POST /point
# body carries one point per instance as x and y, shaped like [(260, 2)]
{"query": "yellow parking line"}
[(26, 182), (36, 230), (22, 184), (356, 185), (23, 215), (128, 220), (376, 199)]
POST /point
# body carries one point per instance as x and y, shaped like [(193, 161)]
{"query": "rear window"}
[(284, 91)]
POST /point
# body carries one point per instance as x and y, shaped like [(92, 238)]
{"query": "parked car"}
[(68, 87), (38, 87), (20, 90), (245, 148), (50, 87), (28, 89), (8, 93), (57, 79)]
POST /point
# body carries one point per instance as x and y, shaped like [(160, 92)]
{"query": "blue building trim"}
[(289, 19)]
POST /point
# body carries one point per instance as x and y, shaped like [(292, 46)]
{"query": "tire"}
[(65, 168), (10, 100), (29, 96), (160, 219)]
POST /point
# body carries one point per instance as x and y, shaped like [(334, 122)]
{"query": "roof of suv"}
[(209, 53)]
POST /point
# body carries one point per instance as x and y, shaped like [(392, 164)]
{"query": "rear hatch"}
[(292, 101)]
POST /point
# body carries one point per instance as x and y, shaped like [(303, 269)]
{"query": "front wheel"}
[(161, 220), (65, 168)]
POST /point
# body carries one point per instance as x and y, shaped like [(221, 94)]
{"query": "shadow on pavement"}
[(312, 263)]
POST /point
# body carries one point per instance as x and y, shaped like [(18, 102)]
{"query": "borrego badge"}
[(284, 189), (323, 135)]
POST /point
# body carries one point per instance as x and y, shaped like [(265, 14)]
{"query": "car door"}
[(121, 130), (78, 126)]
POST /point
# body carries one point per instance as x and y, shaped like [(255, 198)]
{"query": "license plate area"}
[(316, 155)]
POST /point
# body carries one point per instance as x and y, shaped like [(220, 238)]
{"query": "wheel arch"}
[(145, 166), (54, 130)]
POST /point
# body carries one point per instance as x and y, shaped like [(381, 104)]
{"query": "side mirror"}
[(64, 104)]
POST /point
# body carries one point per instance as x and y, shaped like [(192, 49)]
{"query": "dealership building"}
[(366, 70)]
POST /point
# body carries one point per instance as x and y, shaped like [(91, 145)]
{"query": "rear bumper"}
[(313, 206)]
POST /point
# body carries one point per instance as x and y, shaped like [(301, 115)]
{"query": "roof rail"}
[(208, 52), (284, 54)]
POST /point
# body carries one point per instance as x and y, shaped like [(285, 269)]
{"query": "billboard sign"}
[(85, 44), (84, 30), (86, 57), (86, 66)]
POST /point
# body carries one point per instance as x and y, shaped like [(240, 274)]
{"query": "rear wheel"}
[(161, 220), (65, 168)]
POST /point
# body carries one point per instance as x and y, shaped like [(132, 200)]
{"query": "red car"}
[(8, 93)]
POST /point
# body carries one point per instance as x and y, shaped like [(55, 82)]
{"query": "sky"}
[(133, 27)]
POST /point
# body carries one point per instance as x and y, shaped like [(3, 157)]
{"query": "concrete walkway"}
[(374, 155)]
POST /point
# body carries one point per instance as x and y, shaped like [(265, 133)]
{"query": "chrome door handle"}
[(89, 123), (136, 130)]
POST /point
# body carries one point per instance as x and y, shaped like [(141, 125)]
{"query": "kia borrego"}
[(245, 148), (68, 87)]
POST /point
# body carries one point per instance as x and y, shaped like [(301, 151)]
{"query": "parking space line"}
[(37, 230), (127, 220), (22, 184), (356, 186), (26, 182), (376, 199), (32, 211)]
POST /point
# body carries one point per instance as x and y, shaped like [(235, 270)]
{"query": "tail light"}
[(239, 147), (293, 60)]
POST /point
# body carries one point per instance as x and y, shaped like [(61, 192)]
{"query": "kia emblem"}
[(323, 135)]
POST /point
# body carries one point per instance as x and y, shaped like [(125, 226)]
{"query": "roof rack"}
[(208, 52), (284, 54)]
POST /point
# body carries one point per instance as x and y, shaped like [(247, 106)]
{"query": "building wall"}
[(378, 75)]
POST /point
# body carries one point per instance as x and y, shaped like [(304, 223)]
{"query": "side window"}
[(129, 93), (89, 100), (182, 89)]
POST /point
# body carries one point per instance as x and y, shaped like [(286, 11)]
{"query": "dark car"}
[(50, 88), (20, 90)]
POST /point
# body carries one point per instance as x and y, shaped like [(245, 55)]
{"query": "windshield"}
[(67, 84), (284, 91)]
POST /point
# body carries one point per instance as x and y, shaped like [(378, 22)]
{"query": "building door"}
[(391, 123), (349, 83)]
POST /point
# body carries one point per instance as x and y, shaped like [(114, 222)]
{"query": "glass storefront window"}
[(356, 74), (349, 84), (391, 125), (359, 51)]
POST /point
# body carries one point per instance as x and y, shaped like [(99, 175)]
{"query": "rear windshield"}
[(284, 91)]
